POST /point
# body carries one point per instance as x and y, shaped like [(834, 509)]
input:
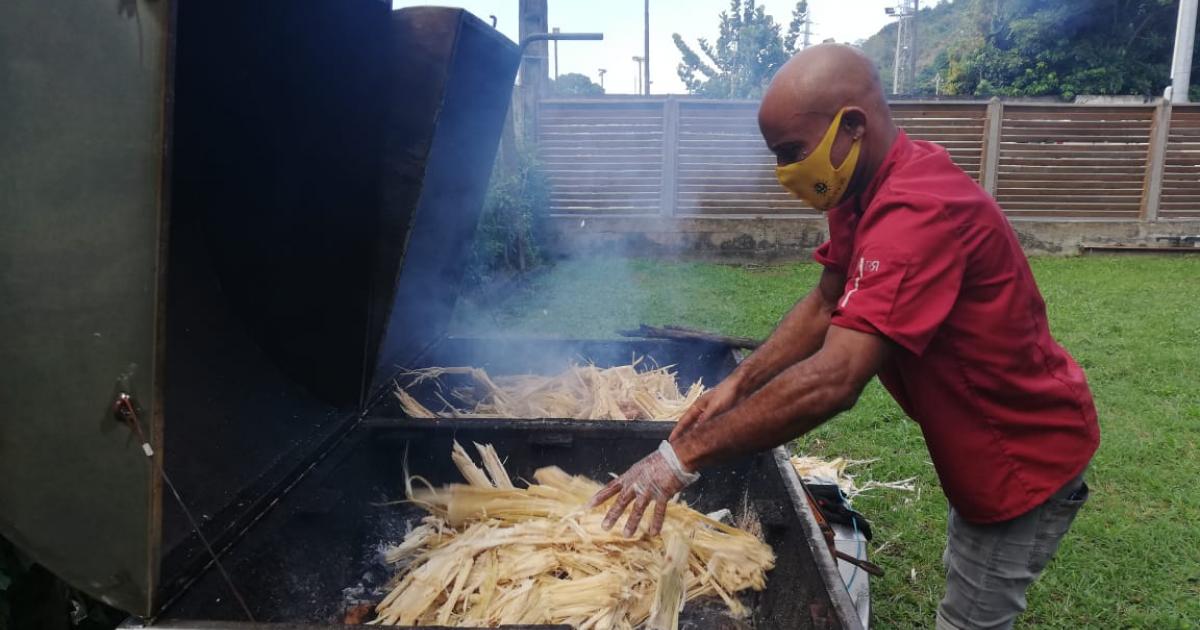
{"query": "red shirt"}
[(932, 264)]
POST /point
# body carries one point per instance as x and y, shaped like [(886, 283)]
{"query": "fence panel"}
[(958, 127), (602, 157), (693, 157), (1073, 161), (1181, 171), (723, 167)]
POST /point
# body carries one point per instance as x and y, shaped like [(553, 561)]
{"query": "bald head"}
[(824, 78), (809, 90)]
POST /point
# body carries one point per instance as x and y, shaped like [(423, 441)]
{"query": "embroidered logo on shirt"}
[(864, 267)]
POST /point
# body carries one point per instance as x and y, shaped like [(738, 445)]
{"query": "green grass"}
[(1132, 559)]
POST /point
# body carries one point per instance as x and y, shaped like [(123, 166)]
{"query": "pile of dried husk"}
[(489, 553), (583, 392)]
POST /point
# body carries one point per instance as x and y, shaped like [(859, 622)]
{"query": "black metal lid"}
[(325, 165), (440, 149)]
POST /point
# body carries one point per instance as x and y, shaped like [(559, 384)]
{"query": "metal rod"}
[(124, 409), (545, 37), (555, 32)]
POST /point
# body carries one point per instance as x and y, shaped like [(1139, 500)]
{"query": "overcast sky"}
[(621, 23)]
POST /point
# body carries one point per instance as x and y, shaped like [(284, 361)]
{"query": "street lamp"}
[(638, 82), (602, 73)]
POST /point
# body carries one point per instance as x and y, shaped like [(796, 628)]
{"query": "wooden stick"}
[(689, 334)]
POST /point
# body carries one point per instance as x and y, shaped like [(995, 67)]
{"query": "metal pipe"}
[(1185, 39), (546, 37), (555, 31)]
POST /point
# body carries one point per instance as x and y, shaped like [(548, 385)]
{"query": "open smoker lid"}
[(341, 279), (457, 72), (91, 233)]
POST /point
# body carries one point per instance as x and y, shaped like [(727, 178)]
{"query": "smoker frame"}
[(109, 311)]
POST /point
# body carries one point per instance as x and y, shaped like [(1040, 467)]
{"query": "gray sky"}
[(621, 23)]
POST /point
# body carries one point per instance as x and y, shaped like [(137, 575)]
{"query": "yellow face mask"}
[(815, 179)]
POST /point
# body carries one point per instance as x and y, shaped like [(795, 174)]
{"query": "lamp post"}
[(646, 49), (556, 32), (602, 72), (638, 81)]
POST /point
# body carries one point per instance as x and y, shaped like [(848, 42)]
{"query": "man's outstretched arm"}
[(799, 334), (798, 399), (794, 402)]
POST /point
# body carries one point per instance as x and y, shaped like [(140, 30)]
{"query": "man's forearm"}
[(796, 401), (798, 336)]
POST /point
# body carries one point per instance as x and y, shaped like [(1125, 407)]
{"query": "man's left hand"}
[(658, 477)]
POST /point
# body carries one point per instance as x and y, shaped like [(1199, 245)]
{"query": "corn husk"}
[(669, 592), (584, 392), (489, 554), (833, 471)]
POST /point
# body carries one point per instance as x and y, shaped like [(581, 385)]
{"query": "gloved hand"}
[(658, 477)]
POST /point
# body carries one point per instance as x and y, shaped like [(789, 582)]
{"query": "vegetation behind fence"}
[(688, 157)]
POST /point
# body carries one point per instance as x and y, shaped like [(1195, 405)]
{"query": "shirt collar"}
[(859, 202)]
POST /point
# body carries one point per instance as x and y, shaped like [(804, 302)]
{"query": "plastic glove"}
[(658, 477)]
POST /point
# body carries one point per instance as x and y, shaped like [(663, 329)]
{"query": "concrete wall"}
[(771, 239)]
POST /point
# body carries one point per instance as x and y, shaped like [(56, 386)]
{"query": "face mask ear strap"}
[(831, 134)]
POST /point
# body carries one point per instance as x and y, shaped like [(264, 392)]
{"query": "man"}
[(926, 286)]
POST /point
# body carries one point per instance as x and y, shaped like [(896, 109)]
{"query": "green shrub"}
[(512, 227)]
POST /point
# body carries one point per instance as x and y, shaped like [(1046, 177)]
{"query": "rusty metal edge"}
[(155, 487), (843, 607)]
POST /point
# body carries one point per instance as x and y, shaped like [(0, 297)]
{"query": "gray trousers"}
[(988, 567)]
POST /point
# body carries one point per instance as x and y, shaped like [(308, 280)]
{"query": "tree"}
[(575, 84), (800, 19), (1050, 47), (748, 51)]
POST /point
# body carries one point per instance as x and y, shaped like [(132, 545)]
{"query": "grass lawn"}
[(1132, 559)]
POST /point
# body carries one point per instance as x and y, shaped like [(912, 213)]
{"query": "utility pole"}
[(602, 72), (535, 74), (807, 30), (904, 68), (910, 68), (637, 80), (1185, 40), (646, 49), (532, 20)]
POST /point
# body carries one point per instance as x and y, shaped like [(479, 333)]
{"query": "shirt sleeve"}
[(834, 254), (900, 293), (824, 255)]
